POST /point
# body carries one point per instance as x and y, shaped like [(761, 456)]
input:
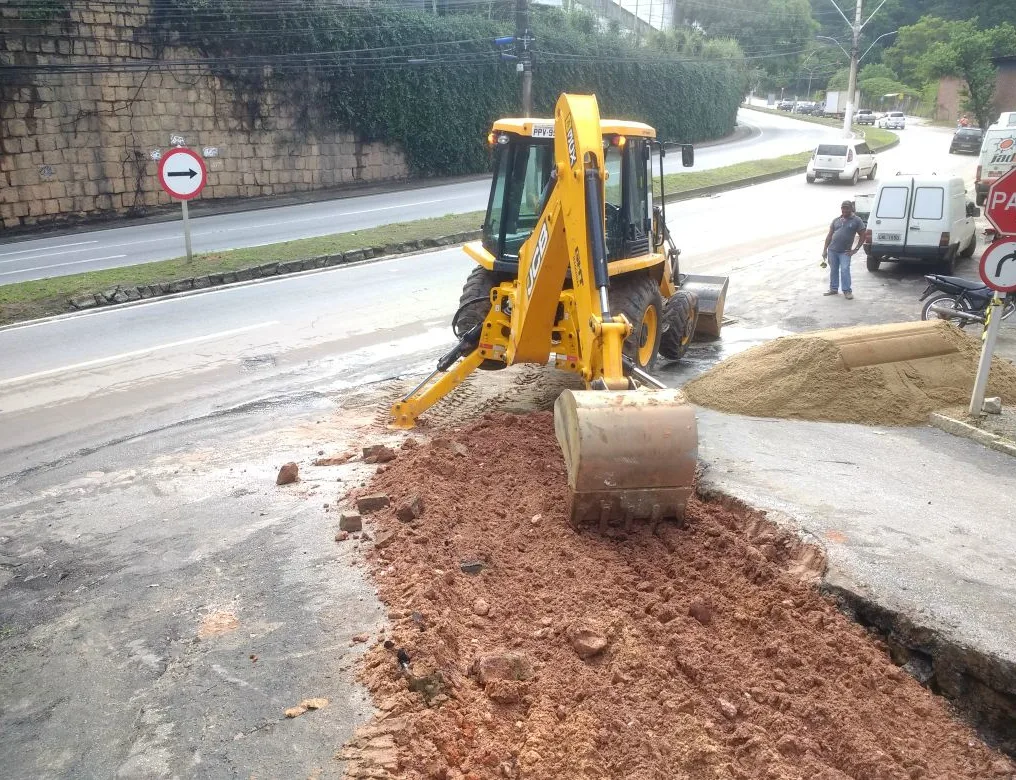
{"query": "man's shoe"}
[(831, 292), (848, 296)]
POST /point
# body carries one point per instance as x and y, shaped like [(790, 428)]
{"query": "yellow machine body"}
[(630, 451)]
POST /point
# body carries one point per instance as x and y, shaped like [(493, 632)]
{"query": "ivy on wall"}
[(433, 83)]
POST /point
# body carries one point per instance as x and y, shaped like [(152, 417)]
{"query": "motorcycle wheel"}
[(946, 301)]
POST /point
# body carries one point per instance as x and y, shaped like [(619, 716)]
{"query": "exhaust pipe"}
[(955, 314)]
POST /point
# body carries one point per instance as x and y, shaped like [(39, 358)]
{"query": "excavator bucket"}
[(712, 294), (630, 455)]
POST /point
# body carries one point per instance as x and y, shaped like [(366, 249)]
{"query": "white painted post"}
[(186, 229), (987, 350)]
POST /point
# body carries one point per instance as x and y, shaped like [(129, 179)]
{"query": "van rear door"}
[(926, 223), (889, 223)]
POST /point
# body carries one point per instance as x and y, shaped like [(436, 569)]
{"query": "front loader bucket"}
[(712, 294), (630, 454)]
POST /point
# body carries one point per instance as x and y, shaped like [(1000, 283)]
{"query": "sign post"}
[(998, 271), (183, 175)]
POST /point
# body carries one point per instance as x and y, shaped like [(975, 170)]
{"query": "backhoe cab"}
[(577, 267)]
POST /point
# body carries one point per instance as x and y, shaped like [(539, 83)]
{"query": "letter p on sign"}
[(1001, 210)]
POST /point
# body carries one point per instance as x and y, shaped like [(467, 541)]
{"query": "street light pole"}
[(848, 116), (525, 61)]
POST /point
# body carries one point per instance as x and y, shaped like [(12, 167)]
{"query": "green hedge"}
[(440, 110)]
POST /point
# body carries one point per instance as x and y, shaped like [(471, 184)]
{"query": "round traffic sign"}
[(998, 266), (182, 173)]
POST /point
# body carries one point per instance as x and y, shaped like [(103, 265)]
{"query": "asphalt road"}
[(138, 507), (91, 250)]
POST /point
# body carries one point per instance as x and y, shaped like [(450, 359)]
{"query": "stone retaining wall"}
[(80, 145)]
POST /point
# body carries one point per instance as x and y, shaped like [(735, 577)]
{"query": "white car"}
[(894, 120), (846, 160)]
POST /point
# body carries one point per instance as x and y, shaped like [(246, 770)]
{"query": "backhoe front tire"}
[(638, 298), (680, 316), (478, 285)]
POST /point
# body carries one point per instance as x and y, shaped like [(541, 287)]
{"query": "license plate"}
[(888, 236)]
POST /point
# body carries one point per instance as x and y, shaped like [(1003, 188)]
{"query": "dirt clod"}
[(699, 610), (481, 608), (341, 536), (411, 509), (587, 641), (288, 474), (360, 638), (350, 521), (334, 460), (314, 704), (372, 503), (378, 453), (295, 712)]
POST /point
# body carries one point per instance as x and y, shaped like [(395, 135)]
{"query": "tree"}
[(906, 56), (772, 32), (967, 55)]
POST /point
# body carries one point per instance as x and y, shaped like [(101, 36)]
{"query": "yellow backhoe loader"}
[(577, 266)]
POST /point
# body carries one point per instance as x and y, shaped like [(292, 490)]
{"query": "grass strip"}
[(44, 297)]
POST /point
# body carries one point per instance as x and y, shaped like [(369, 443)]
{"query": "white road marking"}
[(61, 265), (44, 249), (135, 353)]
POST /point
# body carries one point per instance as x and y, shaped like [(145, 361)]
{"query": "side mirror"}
[(687, 155), (972, 210)]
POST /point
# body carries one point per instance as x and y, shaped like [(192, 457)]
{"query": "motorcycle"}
[(960, 301)]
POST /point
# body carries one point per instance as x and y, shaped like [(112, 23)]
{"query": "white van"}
[(923, 219), (998, 156)]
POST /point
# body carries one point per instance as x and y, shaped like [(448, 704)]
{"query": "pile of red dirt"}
[(522, 649)]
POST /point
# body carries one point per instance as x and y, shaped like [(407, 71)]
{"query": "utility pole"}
[(855, 30), (525, 63), (848, 116)]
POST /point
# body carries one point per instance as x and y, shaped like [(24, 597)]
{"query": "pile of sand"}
[(837, 375)]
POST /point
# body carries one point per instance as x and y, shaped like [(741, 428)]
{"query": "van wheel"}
[(809, 179), (949, 265), (873, 263), (968, 251), (871, 173), (856, 176), (981, 198)]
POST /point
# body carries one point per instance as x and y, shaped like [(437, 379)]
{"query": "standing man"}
[(837, 248)]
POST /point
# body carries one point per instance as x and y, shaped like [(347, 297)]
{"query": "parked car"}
[(864, 116), (894, 120), (804, 107), (785, 105), (924, 219), (967, 139), (846, 161)]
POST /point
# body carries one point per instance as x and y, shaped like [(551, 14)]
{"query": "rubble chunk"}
[(411, 509), (288, 474), (372, 503), (350, 521)]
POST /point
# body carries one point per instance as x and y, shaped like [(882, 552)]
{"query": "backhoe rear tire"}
[(680, 316), (478, 284), (638, 298)]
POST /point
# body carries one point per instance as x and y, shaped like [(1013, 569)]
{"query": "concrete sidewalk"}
[(918, 529)]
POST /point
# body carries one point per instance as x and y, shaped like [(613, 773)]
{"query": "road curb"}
[(968, 431)]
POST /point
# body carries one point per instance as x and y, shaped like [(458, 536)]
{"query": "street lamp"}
[(884, 35)]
